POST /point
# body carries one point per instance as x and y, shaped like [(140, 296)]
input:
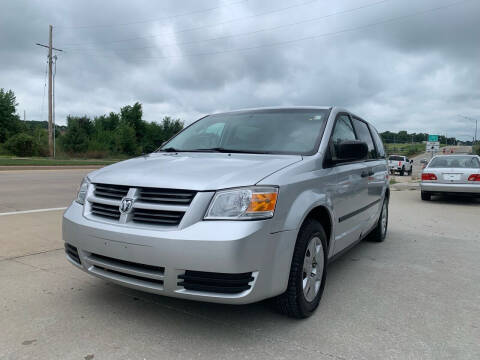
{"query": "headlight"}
[(82, 191), (243, 204)]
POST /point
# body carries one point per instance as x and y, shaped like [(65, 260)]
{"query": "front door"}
[(351, 194)]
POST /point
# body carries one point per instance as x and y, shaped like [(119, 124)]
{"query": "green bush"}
[(476, 149), (21, 145)]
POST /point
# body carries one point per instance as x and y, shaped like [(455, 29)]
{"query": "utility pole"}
[(50, 97), (50, 88), (476, 126)]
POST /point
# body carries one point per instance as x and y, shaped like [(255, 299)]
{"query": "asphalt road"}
[(415, 296)]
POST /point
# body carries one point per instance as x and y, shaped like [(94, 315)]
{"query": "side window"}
[(364, 135), (378, 143), (343, 131)]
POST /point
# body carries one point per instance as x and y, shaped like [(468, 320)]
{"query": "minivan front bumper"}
[(156, 261)]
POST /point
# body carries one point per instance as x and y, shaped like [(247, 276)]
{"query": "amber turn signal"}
[(262, 202)]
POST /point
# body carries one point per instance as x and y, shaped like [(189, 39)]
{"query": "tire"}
[(410, 172), (402, 172), (379, 233), (297, 301), (426, 196)]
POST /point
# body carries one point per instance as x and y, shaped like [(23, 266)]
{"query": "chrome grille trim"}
[(159, 217), (166, 196), (111, 191), (151, 206), (105, 210)]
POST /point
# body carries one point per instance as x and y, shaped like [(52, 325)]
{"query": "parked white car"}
[(401, 164), (451, 174)]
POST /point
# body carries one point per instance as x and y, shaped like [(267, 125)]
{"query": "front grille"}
[(127, 271), (157, 217), (166, 196), (106, 211), (72, 252), (119, 262), (111, 191), (216, 282)]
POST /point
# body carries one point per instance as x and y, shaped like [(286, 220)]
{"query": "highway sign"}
[(432, 138), (432, 146)]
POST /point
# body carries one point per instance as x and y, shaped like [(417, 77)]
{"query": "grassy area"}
[(405, 149), (15, 161)]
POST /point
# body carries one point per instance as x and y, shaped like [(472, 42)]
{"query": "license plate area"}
[(451, 177)]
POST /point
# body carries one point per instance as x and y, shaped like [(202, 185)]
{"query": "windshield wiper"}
[(170, 149)]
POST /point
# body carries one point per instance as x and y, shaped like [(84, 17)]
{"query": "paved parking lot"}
[(415, 296)]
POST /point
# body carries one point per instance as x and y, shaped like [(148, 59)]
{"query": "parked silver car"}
[(451, 174), (238, 207)]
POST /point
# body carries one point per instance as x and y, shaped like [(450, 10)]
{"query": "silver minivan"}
[(238, 207)]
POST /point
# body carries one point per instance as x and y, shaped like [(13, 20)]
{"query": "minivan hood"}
[(193, 171)]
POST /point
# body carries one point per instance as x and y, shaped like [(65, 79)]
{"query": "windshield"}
[(292, 131), (396, 158), (462, 162)]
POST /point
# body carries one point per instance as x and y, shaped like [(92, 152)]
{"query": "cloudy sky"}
[(412, 65)]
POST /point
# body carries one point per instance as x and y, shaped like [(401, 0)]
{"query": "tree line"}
[(117, 134), (403, 137)]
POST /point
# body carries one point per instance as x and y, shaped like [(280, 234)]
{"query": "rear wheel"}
[(402, 172), (426, 196), (380, 232), (307, 273)]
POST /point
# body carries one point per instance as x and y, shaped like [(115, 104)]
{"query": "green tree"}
[(125, 141), (10, 123), (132, 116), (76, 138), (21, 144), (170, 127)]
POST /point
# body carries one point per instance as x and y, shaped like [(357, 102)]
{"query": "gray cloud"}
[(416, 73)]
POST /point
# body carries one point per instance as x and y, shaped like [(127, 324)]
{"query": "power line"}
[(286, 42), (341, 12), (152, 20), (198, 27)]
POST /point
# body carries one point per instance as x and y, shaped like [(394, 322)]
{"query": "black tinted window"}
[(343, 131), (378, 142), (364, 135)]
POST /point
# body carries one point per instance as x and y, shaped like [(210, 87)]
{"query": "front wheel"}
[(307, 273)]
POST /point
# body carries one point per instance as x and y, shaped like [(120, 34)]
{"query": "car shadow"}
[(220, 320), (456, 199)]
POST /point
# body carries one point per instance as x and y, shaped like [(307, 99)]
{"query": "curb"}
[(52, 167)]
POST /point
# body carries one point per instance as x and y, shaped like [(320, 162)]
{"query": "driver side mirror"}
[(351, 150)]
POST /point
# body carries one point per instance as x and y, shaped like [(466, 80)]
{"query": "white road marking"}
[(31, 211)]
